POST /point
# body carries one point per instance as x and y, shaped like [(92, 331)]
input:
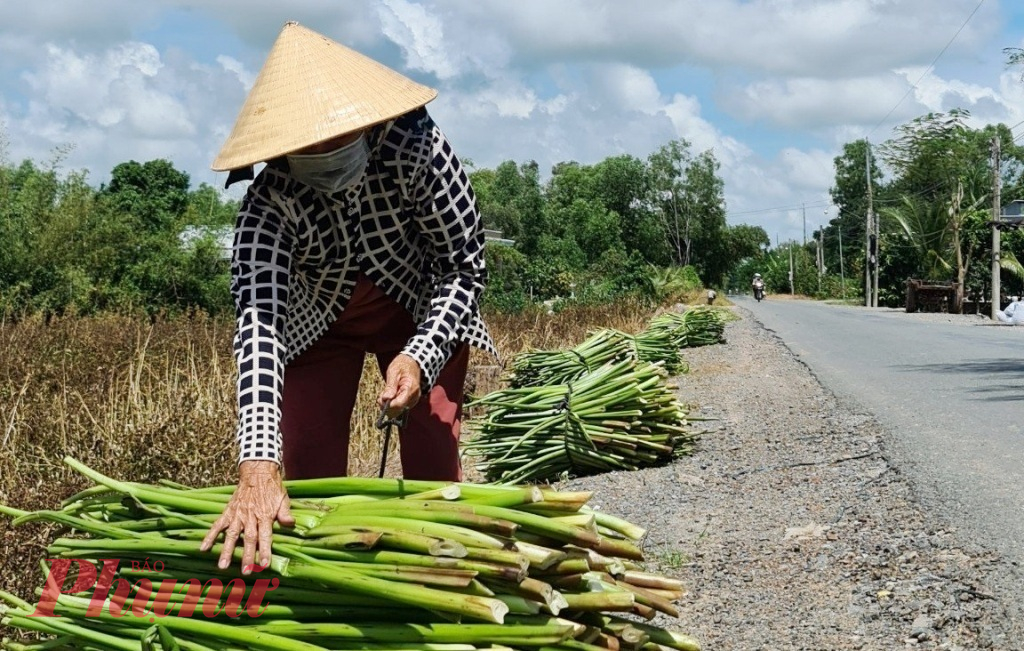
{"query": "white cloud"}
[(684, 112), (626, 88), (246, 77), (987, 104), (29, 25), (115, 90), (783, 83), (806, 171), (800, 37), (125, 103), (815, 103), (509, 101), (421, 36), (1011, 92), (258, 22)]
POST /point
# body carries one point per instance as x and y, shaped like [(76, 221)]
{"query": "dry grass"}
[(788, 297), (147, 401)]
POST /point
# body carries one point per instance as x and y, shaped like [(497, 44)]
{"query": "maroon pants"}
[(320, 389)]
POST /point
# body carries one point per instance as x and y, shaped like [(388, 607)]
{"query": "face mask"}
[(332, 171)]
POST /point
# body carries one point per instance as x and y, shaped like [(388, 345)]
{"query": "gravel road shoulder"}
[(792, 529)]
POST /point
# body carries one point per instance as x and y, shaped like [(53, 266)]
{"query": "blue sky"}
[(773, 87)]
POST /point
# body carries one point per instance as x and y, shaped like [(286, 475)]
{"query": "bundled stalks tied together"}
[(538, 368), (668, 333), (694, 327), (622, 416), (656, 348), (659, 343), (546, 367), (371, 564)]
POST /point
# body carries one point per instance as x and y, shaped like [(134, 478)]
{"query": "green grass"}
[(671, 559)]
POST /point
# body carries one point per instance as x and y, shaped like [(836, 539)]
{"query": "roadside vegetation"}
[(932, 190), (155, 400), (147, 243)]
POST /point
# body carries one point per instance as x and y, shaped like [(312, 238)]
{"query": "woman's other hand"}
[(401, 385)]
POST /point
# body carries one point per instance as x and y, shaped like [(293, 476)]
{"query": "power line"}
[(826, 203), (913, 87), (812, 204), (927, 70), (1014, 127)]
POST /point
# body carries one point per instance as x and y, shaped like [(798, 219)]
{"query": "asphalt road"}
[(952, 396)]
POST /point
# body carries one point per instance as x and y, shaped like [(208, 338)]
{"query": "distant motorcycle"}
[(759, 291)]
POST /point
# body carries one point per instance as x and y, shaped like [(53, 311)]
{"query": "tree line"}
[(931, 187), (71, 247), (147, 242), (624, 225)]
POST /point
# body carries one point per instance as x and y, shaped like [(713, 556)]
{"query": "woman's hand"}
[(401, 385), (258, 502)]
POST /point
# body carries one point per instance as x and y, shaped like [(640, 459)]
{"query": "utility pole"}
[(874, 253), (791, 287), (868, 231), (996, 210), (842, 272), (839, 232), (821, 255), (804, 209)]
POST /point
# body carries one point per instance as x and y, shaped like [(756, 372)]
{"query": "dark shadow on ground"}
[(1006, 376)]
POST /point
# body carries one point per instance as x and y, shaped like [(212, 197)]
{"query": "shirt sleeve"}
[(260, 267), (447, 217)]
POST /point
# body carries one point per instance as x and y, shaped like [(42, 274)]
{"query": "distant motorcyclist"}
[(758, 286)]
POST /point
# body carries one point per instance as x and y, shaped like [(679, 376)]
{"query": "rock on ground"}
[(792, 529)]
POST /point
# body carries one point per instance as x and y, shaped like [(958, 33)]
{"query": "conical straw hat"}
[(312, 89)]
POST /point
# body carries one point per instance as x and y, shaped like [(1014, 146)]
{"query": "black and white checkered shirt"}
[(411, 226)]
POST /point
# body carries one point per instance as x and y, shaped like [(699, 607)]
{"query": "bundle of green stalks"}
[(536, 368), (622, 416), (547, 367), (655, 347), (689, 329), (371, 564)]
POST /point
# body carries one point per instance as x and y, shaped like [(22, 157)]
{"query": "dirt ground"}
[(794, 530)]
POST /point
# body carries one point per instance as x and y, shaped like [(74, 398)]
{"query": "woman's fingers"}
[(256, 504), (252, 535), (211, 537), (284, 514), (402, 385), (227, 552)]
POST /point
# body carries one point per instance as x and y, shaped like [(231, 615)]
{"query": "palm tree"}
[(925, 226), (943, 234)]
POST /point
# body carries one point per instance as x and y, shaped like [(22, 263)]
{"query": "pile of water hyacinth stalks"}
[(670, 332), (600, 406), (661, 343), (621, 416), (689, 329), (371, 564), (535, 368)]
